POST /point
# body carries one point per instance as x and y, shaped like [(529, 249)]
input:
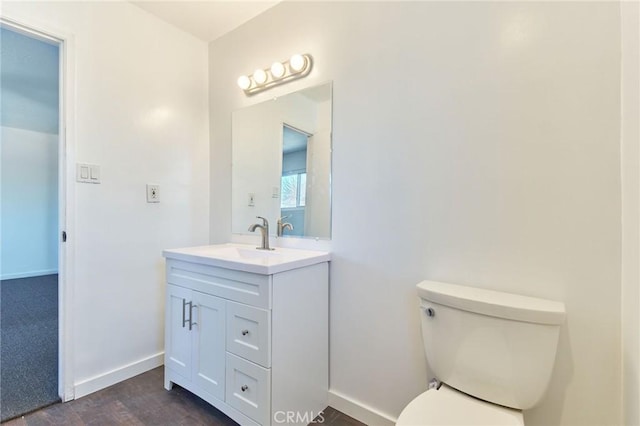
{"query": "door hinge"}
[(64, 236)]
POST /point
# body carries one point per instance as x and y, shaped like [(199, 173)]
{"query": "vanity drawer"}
[(249, 333), (248, 388), (240, 286)]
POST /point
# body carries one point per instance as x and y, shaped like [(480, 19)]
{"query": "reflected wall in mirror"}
[(281, 164)]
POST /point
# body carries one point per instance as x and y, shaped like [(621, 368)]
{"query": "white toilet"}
[(492, 354)]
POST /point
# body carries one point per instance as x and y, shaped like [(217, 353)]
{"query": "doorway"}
[(293, 181), (31, 185)]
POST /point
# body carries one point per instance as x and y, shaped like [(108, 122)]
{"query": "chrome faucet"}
[(264, 230), (283, 226)]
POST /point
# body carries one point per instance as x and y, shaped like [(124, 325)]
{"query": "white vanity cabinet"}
[(252, 341)]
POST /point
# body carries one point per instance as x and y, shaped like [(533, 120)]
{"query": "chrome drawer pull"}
[(191, 321), (244, 388), (184, 317), (245, 332)]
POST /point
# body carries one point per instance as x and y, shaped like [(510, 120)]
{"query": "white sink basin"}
[(246, 253), (247, 258)]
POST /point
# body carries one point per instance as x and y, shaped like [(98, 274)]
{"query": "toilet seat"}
[(449, 407)]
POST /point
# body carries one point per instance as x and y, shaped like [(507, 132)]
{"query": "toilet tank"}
[(499, 347)]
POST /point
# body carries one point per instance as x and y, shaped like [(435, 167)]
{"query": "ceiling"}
[(207, 20)]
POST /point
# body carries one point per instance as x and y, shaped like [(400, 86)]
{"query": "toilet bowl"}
[(449, 407), (492, 353)]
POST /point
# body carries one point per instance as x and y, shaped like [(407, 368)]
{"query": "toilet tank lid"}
[(493, 303)]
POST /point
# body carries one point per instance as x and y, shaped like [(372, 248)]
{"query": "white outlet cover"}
[(153, 193)]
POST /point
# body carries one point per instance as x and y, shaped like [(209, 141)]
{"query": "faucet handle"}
[(284, 217), (265, 222)]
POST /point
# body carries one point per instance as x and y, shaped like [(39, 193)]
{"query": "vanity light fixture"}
[(297, 62), (244, 82), (280, 72), (260, 77), (277, 69)]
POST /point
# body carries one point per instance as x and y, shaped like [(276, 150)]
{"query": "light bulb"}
[(259, 76), (277, 69), (244, 82), (297, 62)]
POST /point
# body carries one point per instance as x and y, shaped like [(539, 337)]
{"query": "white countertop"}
[(243, 257)]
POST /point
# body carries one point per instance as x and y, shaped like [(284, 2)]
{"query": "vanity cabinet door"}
[(209, 345), (178, 338)]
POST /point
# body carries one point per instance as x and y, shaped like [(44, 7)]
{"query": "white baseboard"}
[(359, 411), (112, 377), (28, 274)]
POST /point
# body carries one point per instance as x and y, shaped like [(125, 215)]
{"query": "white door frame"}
[(66, 192)]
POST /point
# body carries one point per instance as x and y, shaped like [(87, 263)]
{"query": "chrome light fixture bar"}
[(297, 66)]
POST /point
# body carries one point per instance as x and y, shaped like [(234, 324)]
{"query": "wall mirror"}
[(281, 164)]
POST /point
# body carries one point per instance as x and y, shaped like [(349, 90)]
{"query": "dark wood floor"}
[(142, 400)]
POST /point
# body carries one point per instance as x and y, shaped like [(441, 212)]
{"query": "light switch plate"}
[(153, 193), (87, 173)]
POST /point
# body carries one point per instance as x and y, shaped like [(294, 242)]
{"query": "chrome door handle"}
[(184, 308), (191, 322)]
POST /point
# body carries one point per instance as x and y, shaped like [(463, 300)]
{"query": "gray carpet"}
[(28, 345)]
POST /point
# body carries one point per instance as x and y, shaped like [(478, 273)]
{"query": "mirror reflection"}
[(281, 151)]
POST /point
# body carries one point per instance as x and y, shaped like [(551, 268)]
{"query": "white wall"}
[(29, 156), (29, 203), (141, 114), (29, 78), (630, 13), (487, 145)]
